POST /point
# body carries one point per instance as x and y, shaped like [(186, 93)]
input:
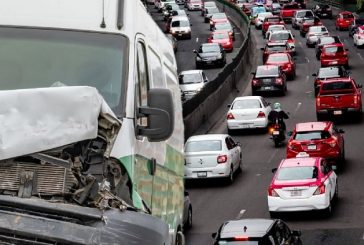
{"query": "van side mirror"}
[(159, 114)]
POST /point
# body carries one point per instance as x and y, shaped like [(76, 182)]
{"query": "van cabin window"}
[(157, 80), (143, 80)]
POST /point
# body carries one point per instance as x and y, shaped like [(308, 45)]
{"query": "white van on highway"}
[(91, 148), (180, 27)]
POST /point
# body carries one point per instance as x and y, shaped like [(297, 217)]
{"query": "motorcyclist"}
[(277, 114)]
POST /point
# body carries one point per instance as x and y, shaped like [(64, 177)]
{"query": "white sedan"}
[(273, 28), (359, 37), (260, 19), (212, 156), (302, 184), (248, 112)]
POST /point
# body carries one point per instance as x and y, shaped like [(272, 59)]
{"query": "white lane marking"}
[(297, 108), (362, 237), (272, 156), (300, 43), (361, 57), (307, 59), (196, 39), (307, 78), (258, 175), (241, 213)]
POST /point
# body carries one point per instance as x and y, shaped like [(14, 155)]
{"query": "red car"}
[(247, 8), (285, 61), (307, 22), (337, 97), (344, 20), (217, 18), (274, 47), (334, 55), (223, 38), (273, 20), (317, 139)]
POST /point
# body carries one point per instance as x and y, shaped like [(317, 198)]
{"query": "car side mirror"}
[(160, 115), (292, 47), (274, 170), (262, 49), (314, 74), (213, 235), (341, 131), (229, 105), (253, 73), (289, 133), (296, 233), (195, 51), (359, 86)]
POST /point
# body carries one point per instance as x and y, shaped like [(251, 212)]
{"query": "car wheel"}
[(198, 66), (180, 238), (188, 224), (273, 215), (230, 178), (230, 132), (336, 195), (328, 210), (319, 117)]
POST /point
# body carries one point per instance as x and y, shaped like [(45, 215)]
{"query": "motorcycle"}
[(277, 133)]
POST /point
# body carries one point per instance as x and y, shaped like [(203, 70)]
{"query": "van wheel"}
[(180, 238), (189, 219)]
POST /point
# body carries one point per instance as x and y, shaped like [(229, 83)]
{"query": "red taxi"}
[(317, 139), (334, 55), (285, 61), (223, 38), (344, 20), (302, 184), (272, 20), (217, 18)]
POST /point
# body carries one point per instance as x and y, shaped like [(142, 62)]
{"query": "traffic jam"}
[(307, 179)]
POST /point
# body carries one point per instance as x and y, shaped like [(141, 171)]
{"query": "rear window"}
[(312, 135), (219, 16), (218, 36), (277, 58), (327, 40), (290, 6), (297, 173), (263, 71), (304, 14), (268, 19), (337, 87), (203, 145), (223, 26), (280, 48), (246, 104), (330, 72), (317, 29), (280, 36), (334, 49), (209, 48), (347, 16)]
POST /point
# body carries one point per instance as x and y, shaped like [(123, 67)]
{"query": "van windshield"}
[(34, 58)]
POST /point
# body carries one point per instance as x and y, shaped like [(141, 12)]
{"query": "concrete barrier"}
[(233, 76)]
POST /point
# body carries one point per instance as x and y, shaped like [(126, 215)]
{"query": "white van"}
[(91, 148), (180, 27)]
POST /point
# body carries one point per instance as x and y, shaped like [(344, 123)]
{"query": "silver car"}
[(298, 17), (191, 82), (212, 156), (313, 34)]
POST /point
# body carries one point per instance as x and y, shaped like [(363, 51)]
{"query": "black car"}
[(269, 78), (323, 41), (256, 232), (210, 54), (354, 26), (322, 10), (327, 73)]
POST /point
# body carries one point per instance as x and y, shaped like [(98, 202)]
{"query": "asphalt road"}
[(200, 32), (213, 202)]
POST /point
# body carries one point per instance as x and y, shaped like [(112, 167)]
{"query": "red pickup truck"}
[(338, 96), (288, 10)]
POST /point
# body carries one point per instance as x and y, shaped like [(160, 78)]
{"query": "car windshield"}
[(203, 145), (337, 87), (330, 72), (280, 36), (334, 49), (277, 58), (40, 58), (246, 104), (190, 78), (297, 173), (223, 35), (276, 48), (180, 23), (219, 16), (327, 40), (348, 16), (264, 71), (312, 135), (209, 48)]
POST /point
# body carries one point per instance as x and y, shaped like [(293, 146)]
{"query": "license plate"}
[(244, 126), (338, 112), (311, 147), (201, 174), (275, 132), (324, 14), (180, 35), (296, 193)]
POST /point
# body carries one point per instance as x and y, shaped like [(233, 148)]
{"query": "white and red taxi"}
[(302, 184), (283, 36), (359, 37)]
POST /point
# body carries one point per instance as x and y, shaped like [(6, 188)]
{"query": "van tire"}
[(180, 238)]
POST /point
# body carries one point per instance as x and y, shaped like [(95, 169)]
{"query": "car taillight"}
[(241, 238), (279, 81), (272, 192), (318, 102), (332, 142), (228, 43), (255, 82), (222, 159), (290, 40), (261, 115), (230, 116), (356, 99), (320, 190)]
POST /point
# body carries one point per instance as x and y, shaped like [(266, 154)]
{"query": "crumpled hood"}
[(35, 120)]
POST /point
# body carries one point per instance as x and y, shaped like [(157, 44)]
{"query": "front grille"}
[(49, 179), (9, 238)]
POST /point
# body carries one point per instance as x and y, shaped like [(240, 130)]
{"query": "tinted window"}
[(297, 173), (278, 58), (312, 135), (209, 48), (246, 104), (203, 145), (337, 86), (190, 78), (263, 71)]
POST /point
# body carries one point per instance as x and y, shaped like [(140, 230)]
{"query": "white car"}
[(159, 4), (273, 28), (180, 27), (212, 156), (283, 36), (194, 5), (298, 17), (191, 82), (359, 37), (260, 18), (302, 184), (313, 34), (248, 112)]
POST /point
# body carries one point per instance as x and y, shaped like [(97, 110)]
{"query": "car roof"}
[(208, 137), (247, 98), (270, 44), (180, 17), (254, 228), (312, 126), (190, 72), (337, 79), (282, 31), (301, 161)]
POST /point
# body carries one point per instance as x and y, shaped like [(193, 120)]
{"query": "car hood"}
[(191, 87), (35, 120), (209, 55), (186, 29)]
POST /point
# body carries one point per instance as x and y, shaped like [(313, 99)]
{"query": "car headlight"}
[(211, 22), (198, 58), (173, 31), (219, 56)]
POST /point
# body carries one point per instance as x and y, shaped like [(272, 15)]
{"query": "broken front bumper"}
[(34, 221)]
